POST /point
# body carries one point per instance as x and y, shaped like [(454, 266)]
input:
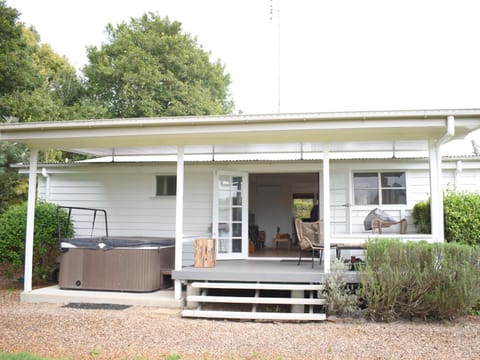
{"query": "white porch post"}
[(179, 219), (436, 194), (326, 208), (32, 198)]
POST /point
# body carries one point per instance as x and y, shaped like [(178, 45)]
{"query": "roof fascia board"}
[(360, 126), (245, 119)]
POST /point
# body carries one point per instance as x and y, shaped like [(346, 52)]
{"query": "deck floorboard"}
[(260, 271)]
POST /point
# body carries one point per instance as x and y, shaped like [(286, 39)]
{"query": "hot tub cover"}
[(113, 242)]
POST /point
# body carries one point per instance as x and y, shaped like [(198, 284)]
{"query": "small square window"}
[(166, 185)]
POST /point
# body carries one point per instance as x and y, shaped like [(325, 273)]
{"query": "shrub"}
[(421, 217), (45, 242), (461, 219), (406, 280), (341, 299)]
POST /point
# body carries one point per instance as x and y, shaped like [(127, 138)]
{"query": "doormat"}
[(93, 306)]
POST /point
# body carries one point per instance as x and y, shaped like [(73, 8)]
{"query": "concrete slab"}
[(55, 295)]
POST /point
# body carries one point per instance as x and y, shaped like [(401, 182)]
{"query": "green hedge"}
[(461, 217), (421, 217), (429, 281), (45, 242)]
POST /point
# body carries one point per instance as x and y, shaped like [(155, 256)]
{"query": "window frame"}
[(167, 181), (380, 188)]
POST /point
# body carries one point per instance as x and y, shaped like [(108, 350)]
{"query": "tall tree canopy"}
[(17, 70), (36, 84), (149, 68)]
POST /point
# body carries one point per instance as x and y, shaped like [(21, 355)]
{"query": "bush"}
[(45, 243), (406, 280), (421, 217), (341, 299), (461, 219)]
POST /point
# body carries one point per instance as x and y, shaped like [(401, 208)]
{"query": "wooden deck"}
[(260, 270)]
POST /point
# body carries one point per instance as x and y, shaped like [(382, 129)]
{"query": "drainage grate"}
[(92, 306)]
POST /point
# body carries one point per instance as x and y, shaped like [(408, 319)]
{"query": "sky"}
[(295, 56)]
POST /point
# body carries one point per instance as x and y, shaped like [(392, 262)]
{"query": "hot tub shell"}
[(116, 264)]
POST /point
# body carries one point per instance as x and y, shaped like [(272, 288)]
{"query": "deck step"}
[(255, 286), (255, 300), (217, 314)]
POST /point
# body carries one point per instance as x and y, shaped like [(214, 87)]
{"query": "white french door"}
[(230, 214), (340, 206)]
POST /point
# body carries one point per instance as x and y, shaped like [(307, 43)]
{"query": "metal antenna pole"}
[(272, 16), (278, 59)]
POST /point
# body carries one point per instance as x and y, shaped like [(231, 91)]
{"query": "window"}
[(302, 205), (166, 185), (386, 188)]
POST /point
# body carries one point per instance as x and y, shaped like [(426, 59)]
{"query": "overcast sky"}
[(335, 55)]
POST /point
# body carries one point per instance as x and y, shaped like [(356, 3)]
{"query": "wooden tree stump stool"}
[(205, 253)]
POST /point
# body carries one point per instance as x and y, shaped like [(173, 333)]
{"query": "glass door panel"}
[(230, 215)]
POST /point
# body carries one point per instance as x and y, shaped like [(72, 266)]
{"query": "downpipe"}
[(449, 133), (47, 183)]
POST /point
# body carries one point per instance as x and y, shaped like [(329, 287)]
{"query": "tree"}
[(149, 68), (51, 89), (17, 70), (36, 84)]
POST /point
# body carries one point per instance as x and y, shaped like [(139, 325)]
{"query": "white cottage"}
[(217, 176)]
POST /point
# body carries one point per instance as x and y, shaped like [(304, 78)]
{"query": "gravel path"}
[(151, 333)]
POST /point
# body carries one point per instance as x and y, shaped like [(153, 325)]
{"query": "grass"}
[(21, 356), (93, 354)]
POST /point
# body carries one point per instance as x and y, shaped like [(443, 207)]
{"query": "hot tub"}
[(136, 264)]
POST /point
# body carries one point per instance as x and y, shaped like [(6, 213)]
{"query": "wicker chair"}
[(310, 238)]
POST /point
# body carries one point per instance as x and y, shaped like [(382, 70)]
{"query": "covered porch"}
[(316, 138)]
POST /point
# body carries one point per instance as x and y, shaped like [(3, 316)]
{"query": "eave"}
[(242, 129)]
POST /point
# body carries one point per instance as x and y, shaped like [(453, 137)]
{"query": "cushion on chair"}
[(311, 231)]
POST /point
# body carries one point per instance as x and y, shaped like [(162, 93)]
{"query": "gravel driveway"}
[(151, 333)]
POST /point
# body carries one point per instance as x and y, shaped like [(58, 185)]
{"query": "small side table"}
[(282, 238)]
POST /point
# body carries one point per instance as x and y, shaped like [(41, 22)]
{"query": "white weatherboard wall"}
[(128, 195), (127, 192)]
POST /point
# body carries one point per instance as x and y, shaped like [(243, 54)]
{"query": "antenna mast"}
[(277, 10)]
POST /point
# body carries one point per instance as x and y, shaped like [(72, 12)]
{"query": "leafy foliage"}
[(341, 299), (406, 280), (36, 84), (54, 91), (461, 220), (17, 68), (421, 216), (13, 188), (13, 223), (149, 68)]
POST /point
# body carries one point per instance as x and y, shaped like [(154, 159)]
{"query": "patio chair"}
[(310, 237), (378, 219)]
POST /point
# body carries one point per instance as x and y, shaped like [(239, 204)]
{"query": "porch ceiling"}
[(147, 136)]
